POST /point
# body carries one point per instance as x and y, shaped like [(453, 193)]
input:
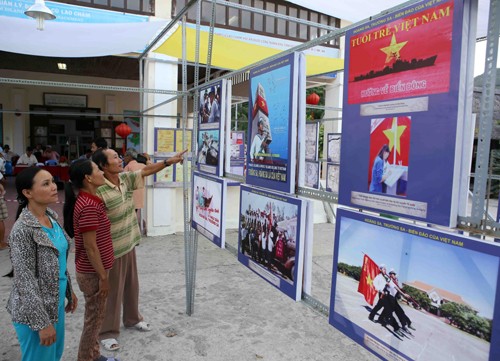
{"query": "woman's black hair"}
[(24, 180), (385, 148), (77, 172), (100, 158)]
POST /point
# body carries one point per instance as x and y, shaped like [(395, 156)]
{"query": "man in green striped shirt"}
[(125, 233)]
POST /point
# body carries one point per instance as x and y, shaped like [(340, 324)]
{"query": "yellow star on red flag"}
[(392, 51), (369, 280), (395, 132)]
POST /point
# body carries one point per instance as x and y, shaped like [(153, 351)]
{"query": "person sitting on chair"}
[(28, 158)]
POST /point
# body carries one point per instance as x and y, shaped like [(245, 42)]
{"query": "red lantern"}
[(123, 130), (312, 99)]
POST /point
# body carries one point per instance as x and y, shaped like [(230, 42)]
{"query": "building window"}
[(246, 16), (270, 20), (142, 7), (292, 27), (220, 15), (240, 20), (233, 18), (258, 19)]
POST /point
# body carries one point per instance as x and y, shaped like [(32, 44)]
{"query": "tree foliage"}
[(239, 115), (421, 297), (466, 319), (350, 271)]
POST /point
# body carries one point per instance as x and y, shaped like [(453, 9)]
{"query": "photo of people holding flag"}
[(389, 287)]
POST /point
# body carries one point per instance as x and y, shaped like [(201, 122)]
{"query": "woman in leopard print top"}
[(39, 249)]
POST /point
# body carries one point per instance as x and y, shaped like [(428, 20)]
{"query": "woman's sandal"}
[(142, 326), (110, 344)]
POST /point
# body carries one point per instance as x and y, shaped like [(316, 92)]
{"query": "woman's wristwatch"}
[(165, 163)]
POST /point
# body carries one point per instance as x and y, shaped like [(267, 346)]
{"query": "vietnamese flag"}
[(369, 271), (260, 102), (394, 132), (421, 34)]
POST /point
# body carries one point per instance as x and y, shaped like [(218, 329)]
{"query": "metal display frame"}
[(478, 223)]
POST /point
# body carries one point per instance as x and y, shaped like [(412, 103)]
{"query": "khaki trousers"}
[(123, 289)]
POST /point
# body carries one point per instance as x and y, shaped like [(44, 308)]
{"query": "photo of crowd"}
[(268, 233), (207, 205)]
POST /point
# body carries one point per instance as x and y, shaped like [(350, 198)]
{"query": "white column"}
[(15, 129), (164, 206)]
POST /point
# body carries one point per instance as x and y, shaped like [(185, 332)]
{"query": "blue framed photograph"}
[(414, 293), (209, 197), (271, 238)]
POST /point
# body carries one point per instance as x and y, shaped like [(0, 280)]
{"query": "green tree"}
[(350, 271), (239, 115), (421, 297), (466, 319), (452, 312)]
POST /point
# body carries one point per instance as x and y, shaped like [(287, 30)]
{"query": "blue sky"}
[(259, 202), (470, 274)]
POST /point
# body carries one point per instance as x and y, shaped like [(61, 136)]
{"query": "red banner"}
[(407, 57), (395, 132), (369, 271)]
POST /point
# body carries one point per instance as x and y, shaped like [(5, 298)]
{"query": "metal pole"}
[(210, 43), (236, 116), (188, 248), (193, 234), (167, 28), (486, 114)]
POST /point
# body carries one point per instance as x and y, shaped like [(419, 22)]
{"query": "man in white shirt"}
[(386, 297), (259, 143), (8, 154), (379, 283), (214, 108), (387, 317), (2, 163), (28, 158)]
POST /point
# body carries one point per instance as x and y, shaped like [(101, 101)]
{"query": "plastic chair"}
[(8, 168)]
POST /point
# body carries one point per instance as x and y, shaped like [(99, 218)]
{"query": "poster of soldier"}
[(408, 292), (404, 115), (272, 128), (271, 238), (211, 120), (209, 197)]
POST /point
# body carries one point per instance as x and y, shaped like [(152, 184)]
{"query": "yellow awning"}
[(229, 53)]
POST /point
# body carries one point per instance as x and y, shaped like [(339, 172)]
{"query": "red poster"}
[(392, 134), (408, 57)]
